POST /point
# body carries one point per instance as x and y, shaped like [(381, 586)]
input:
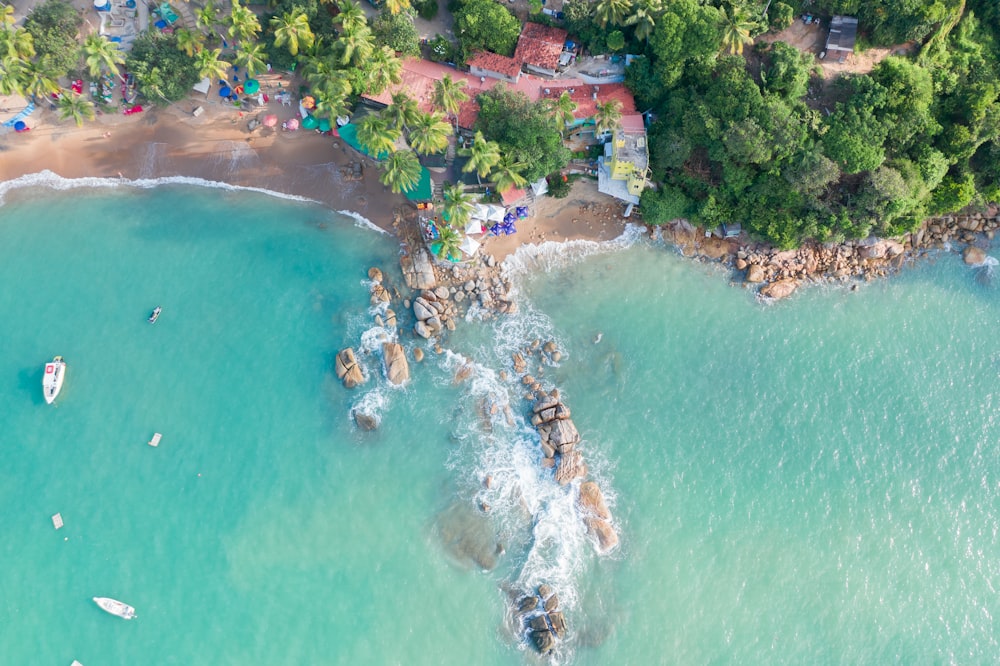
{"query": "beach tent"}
[(203, 85), (481, 212), (349, 133), (469, 245), (424, 189), (496, 213), (474, 227), (540, 187), (251, 86), (309, 122)]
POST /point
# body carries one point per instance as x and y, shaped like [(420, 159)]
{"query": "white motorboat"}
[(115, 607), (52, 380), (156, 314)]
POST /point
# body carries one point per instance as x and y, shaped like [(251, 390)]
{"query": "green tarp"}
[(424, 189), (324, 124), (309, 123)]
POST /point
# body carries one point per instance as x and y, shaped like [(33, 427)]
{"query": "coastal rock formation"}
[(434, 312), (605, 534), (364, 421), (540, 615), (397, 370), (375, 274), (571, 466), (418, 272), (973, 255), (780, 289), (592, 500), (347, 368)]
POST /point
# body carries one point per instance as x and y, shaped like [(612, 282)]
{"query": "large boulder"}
[(592, 500), (422, 309), (755, 273), (348, 369), (397, 370), (973, 255), (563, 434), (603, 532), (571, 466), (374, 274), (544, 640), (779, 289), (558, 621), (418, 270), (364, 421)]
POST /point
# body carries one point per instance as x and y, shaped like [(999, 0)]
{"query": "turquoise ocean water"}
[(814, 481)]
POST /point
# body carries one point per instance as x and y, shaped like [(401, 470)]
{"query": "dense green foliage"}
[(163, 72), (53, 26), (765, 141), (486, 25), (397, 32), (524, 130)]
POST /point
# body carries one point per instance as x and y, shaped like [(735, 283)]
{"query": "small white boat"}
[(52, 380), (156, 314), (115, 607)]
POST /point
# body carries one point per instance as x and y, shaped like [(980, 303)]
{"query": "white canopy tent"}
[(203, 85), (474, 227), (469, 245), (480, 212), (496, 213)]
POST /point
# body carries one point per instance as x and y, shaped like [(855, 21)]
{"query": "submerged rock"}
[(545, 641), (603, 532), (571, 466), (364, 421)]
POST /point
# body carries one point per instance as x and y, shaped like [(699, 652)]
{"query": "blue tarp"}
[(24, 113)]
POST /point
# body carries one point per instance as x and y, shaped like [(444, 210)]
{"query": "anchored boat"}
[(115, 607), (156, 314), (52, 380)]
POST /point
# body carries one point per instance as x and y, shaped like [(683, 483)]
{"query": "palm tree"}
[(562, 111), (207, 16), (612, 11), (189, 41), (607, 115), (16, 42), (7, 17), (100, 54), (210, 65), (507, 173), (449, 243), (397, 6), (73, 105), (38, 79), (356, 45), (448, 94), (402, 170), (430, 133), (644, 17), (384, 70), (403, 111), (251, 57), (737, 25), (351, 15), (330, 102), (458, 206), (376, 135), (243, 23), (292, 28), (11, 75), (483, 156)]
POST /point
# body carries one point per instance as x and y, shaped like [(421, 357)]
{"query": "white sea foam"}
[(550, 255), (56, 182)]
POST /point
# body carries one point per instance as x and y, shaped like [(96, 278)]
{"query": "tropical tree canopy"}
[(73, 106), (376, 135), (53, 26), (449, 94), (429, 134), (483, 156), (486, 25), (401, 170), (163, 72), (101, 54), (292, 30)]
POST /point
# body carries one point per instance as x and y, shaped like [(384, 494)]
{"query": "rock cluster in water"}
[(347, 368), (539, 614)]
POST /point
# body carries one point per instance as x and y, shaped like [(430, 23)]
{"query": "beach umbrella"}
[(309, 123), (251, 86), (309, 102), (20, 126), (469, 246), (522, 212), (225, 91), (509, 217), (495, 229), (270, 120), (324, 124), (292, 124)]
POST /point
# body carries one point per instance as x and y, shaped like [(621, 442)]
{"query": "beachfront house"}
[(623, 171), (843, 35), (494, 66), (539, 49)]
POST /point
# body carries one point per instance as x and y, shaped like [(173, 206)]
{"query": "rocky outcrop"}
[(347, 368), (592, 500), (418, 272), (780, 289), (974, 256), (363, 420), (397, 370), (434, 312), (605, 534), (540, 615)]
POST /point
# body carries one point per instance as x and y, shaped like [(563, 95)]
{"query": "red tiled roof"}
[(494, 62), (632, 122), (583, 94), (540, 45)]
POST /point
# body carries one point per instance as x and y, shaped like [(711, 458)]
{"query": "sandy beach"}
[(218, 145)]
